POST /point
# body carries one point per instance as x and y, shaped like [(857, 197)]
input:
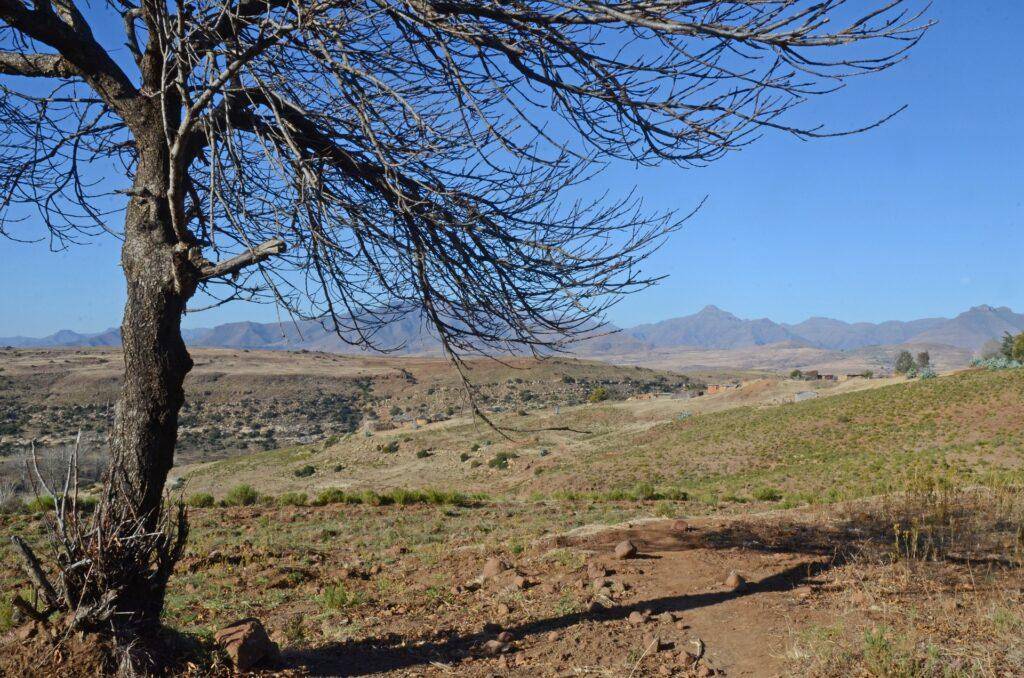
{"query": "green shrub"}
[(339, 597), (644, 492), (293, 499), (500, 460), (475, 447), (305, 471), (241, 495), (404, 497), (332, 495), (422, 454), (6, 615), (464, 456), (201, 500), (598, 394), (767, 494), (391, 447), (41, 504)]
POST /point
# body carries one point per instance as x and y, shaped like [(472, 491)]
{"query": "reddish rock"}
[(492, 568), (504, 637), (247, 644), (625, 549), (595, 571), (636, 618), (735, 582), (495, 647), (553, 636)]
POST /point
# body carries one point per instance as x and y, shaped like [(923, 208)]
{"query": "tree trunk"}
[(160, 281)]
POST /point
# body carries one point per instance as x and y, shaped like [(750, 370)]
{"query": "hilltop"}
[(709, 338)]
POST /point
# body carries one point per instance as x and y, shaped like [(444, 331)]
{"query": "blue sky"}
[(921, 217)]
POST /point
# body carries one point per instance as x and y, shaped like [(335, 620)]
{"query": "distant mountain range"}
[(710, 328)]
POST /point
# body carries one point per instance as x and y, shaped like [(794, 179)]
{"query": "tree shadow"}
[(824, 544), (395, 652)]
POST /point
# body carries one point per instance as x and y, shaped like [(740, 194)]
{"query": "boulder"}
[(247, 644), (625, 549)]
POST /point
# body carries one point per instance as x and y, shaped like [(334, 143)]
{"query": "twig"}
[(35, 572)]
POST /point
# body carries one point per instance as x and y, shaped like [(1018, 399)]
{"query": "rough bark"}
[(160, 280)]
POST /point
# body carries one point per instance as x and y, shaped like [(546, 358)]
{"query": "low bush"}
[(41, 504), (241, 495), (339, 597), (501, 459), (422, 454), (767, 494), (305, 471), (201, 500), (293, 499)]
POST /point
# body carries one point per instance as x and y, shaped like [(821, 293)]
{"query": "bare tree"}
[(356, 162)]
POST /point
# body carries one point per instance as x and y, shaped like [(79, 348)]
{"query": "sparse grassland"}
[(881, 531)]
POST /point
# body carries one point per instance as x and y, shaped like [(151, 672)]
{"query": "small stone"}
[(652, 643), (504, 637), (492, 568), (247, 644), (735, 582), (595, 571), (553, 636), (625, 549), (520, 582), (680, 526), (495, 647), (636, 618), (504, 610), (705, 671), (666, 618), (687, 659)]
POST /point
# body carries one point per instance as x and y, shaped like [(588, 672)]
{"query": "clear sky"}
[(921, 217)]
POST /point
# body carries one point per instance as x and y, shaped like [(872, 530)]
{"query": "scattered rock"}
[(552, 636), (653, 643), (625, 549), (521, 582), (687, 659), (666, 618), (680, 526), (495, 647), (504, 637), (504, 610), (595, 571), (492, 568), (803, 592), (247, 644), (735, 582), (636, 618), (705, 671)]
